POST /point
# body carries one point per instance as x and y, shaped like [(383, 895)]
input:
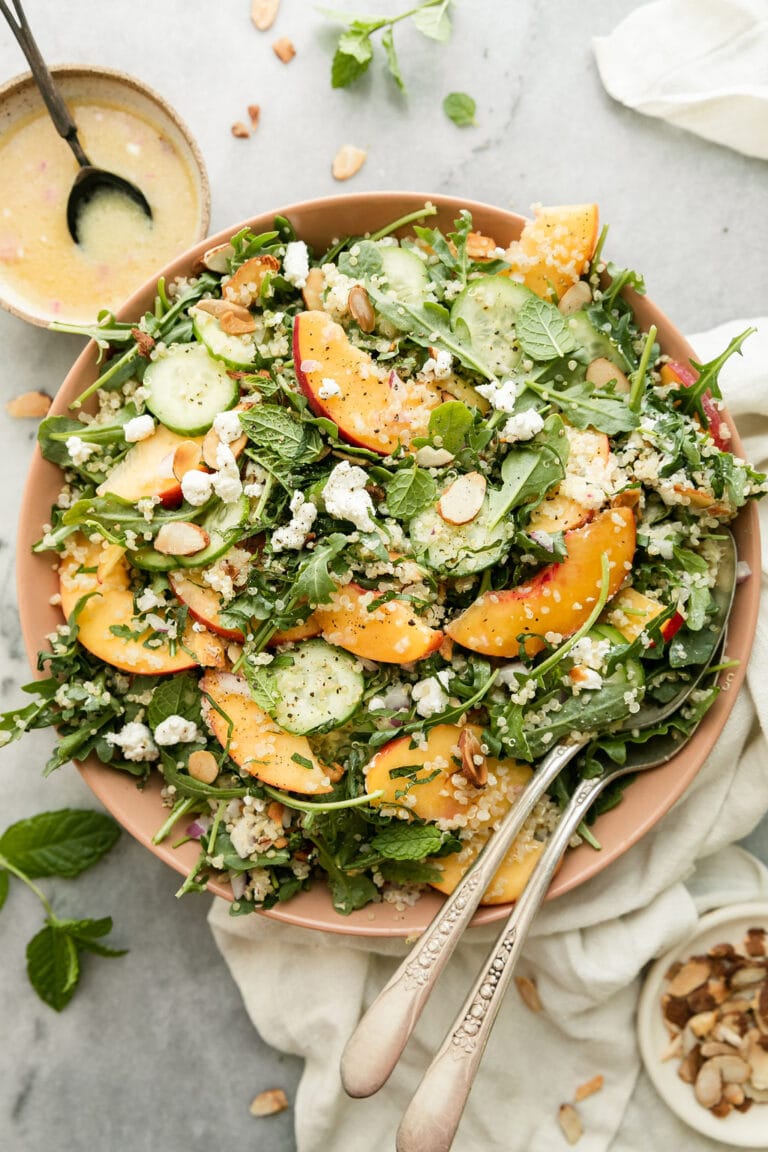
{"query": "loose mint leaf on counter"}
[(393, 64), (350, 60), (410, 491), (432, 20), (460, 108), (403, 841), (543, 331), (86, 933), (53, 966), (62, 843), (4, 885)]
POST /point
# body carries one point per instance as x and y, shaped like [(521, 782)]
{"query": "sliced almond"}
[(748, 975), (269, 1102), (312, 291), (186, 458), (589, 1088), (733, 1094), (254, 115), (347, 161), (29, 406), (217, 260), (202, 766), (761, 1009), (755, 942), (717, 1048), (474, 765), (721, 1109), (240, 131), (690, 1065), (244, 286), (109, 558), (429, 457), (702, 1023), (211, 442), (759, 1095), (284, 49), (361, 309), (529, 993), (263, 13), (709, 1085), (181, 538), (462, 500), (692, 975), (481, 247), (578, 296), (732, 1069), (602, 371), (570, 1123), (758, 1063), (213, 307), (237, 321), (674, 1047)]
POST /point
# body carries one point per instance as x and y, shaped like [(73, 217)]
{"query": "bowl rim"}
[(112, 788), (23, 80)]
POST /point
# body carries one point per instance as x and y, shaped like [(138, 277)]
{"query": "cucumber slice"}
[(459, 549), (186, 388), (319, 690), (594, 342), (224, 524), (234, 351), (489, 307), (406, 274)]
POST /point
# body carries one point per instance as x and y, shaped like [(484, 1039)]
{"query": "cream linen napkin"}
[(701, 64), (305, 991)]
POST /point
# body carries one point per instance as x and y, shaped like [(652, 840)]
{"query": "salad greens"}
[(420, 534)]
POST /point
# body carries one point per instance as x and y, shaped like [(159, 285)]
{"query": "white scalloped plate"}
[(738, 1129)]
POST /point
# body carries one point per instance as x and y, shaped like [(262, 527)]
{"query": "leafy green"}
[(393, 64), (176, 696), (460, 108), (4, 886), (449, 423), (588, 407), (354, 48), (281, 435), (429, 324), (410, 491), (62, 843), (543, 331), (432, 20), (313, 582), (403, 841), (529, 473), (691, 399), (53, 966)]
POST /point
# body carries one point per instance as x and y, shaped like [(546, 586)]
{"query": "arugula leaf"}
[(53, 966), (409, 492), (529, 473), (450, 422), (543, 331), (691, 399), (403, 841), (460, 108), (313, 582), (587, 407), (176, 696), (61, 843), (428, 324)]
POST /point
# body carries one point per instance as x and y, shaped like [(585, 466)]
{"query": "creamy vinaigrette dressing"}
[(120, 248)]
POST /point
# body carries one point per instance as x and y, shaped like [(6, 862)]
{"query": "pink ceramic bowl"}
[(140, 812)]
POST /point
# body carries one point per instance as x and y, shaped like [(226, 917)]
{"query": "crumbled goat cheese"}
[(176, 730), (346, 498), (395, 698), (296, 263), (149, 600), (196, 487), (582, 678), (135, 742), (140, 428), (226, 481), (227, 426), (590, 653), (502, 396), (430, 694), (523, 426), (78, 450), (439, 366), (328, 388), (293, 535)]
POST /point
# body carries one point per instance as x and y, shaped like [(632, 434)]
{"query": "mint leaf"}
[(282, 435), (432, 20), (3, 887), (393, 65), (403, 841), (357, 43), (86, 935), (261, 683), (460, 108), (409, 492), (450, 422), (53, 966), (346, 68), (543, 331), (62, 843), (176, 696)]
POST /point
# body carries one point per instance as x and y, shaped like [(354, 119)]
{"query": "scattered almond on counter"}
[(570, 1122), (29, 406), (240, 130), (347, 161), (589, 1088), (263, 13), (254, 113), (529, 993), (268, 1103), (284, 49)]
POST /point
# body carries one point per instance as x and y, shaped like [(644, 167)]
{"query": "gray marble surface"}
[(155, 1051)]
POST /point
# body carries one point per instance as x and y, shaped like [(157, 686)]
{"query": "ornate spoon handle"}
[(432, 1117), (376, 1044)]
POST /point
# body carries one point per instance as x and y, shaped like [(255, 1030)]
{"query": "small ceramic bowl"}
[(319, 223), (20, 103), (738, 1129)]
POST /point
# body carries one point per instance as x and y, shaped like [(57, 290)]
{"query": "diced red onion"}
[(543, 539), (198, 828)]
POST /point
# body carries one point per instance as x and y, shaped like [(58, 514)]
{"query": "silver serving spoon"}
[(89, 180), (379, 1039)]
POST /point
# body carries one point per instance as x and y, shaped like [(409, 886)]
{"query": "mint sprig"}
[(354, 48), (62, 843)]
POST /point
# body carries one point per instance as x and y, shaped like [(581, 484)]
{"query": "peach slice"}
[(255, 742), (372, 410), (555, 248), (558, 599), (438, 798), (631, 611), (147, 469), (558, 513), (392, 633), (81, 571), (205, 605)]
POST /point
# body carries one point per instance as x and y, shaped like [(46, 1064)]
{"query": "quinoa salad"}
[(348, 540)]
